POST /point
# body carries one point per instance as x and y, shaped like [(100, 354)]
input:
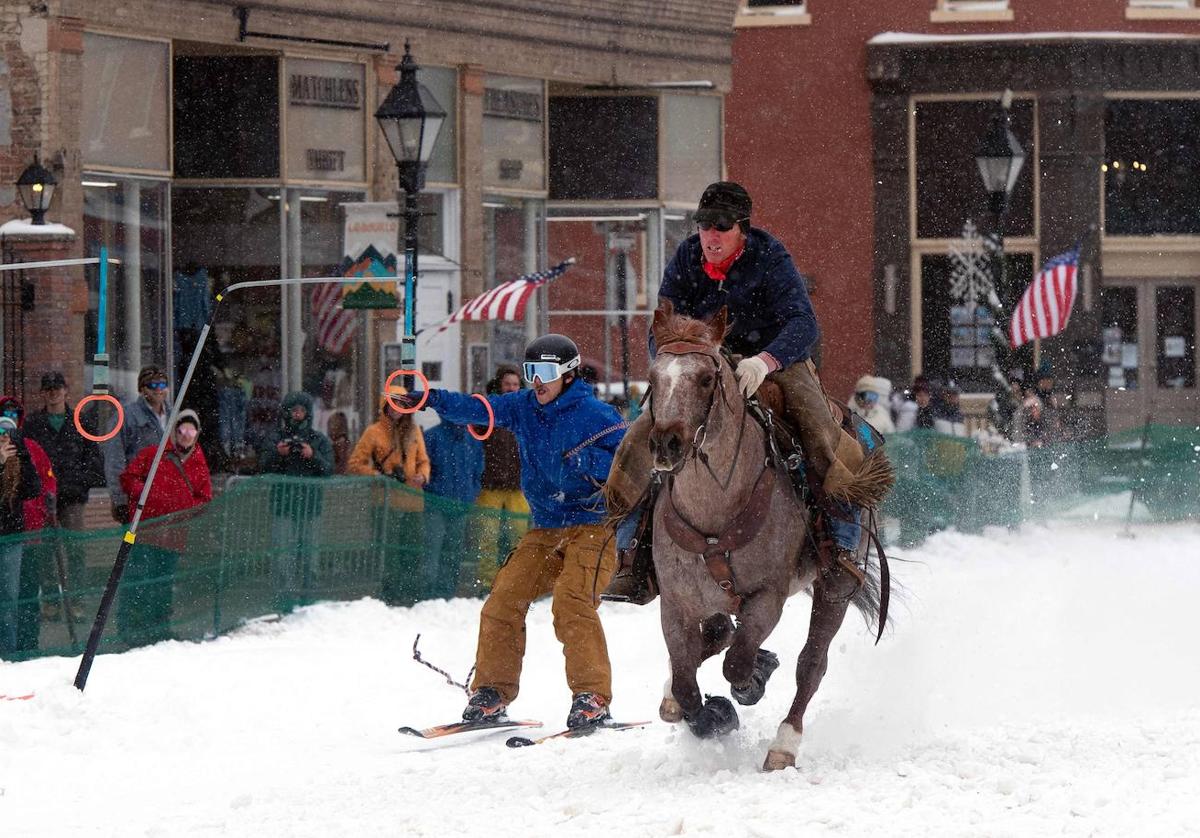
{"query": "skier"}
[(566, 438)]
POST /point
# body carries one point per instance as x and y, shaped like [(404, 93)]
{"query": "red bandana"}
[(717, 272)]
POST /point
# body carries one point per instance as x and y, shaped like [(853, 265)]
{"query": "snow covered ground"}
[(1035, 683)]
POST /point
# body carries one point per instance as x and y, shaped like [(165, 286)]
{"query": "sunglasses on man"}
[(157, 385), (724, 225)]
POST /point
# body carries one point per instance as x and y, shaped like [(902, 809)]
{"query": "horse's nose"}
[(667, 445)]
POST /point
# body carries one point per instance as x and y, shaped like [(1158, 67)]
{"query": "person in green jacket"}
[(296, 450)]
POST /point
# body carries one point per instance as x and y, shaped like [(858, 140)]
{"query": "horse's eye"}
[(706, 380)]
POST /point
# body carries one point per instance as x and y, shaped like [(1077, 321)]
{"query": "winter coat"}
[(501, 461), (380, 451), (78, 463), (560, 480), (178, 484), (38, 510), (768, 302), (141, 428), (321, 462), (455, 462), (19, 482)]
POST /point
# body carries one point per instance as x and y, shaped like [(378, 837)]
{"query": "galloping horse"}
[(731, 538)]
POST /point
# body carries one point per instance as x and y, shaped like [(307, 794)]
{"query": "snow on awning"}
[(918, 38)]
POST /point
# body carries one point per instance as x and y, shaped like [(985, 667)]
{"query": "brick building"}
[(856, 129), (205, 143)]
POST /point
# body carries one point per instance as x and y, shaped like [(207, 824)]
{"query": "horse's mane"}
[(669, 327)]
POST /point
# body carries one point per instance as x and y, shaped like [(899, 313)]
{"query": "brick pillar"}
[(53, 328)]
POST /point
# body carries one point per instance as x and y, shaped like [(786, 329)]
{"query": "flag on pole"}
[(507, 300), (1045, 307), (334, 325)]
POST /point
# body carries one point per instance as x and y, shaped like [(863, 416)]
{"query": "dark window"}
[(226, 116), (1119, 310), (956, 340), (1152, 155), (949, 188), (1175, 312), (603, 147)]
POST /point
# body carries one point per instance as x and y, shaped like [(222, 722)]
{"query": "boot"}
[(634, 580), (587, 710), (485, 704)]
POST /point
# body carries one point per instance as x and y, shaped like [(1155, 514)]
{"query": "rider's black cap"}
[(724, 200)]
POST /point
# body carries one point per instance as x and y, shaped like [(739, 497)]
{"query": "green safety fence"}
[(264, 546), (945, 481)]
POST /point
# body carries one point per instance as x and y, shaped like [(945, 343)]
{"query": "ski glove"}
[(750, 374)]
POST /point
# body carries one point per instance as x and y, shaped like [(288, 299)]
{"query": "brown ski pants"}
[(575, 564)]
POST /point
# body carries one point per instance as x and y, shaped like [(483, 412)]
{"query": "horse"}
[(731, 537)]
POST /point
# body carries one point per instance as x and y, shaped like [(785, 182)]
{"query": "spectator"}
[(37, 557), (947, 414), (295, 450), (635, 403), (456, 466), (339, 439), (500, 531), (393, 446), (145, 422), (78, 466), (1003, 410), (181, 482), (871, 402), (1051, 403), (19, 482), (923, 398)]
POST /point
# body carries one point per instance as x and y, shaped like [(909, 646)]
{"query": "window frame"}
[(1162, 10), (780, 14), (970, 11)]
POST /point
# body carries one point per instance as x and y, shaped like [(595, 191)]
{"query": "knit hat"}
[(188, 415)]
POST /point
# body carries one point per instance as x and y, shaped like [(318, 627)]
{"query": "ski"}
[(573, 733), (438, 731), (16, 697)]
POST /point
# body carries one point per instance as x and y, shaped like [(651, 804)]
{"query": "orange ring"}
[(99, 397), (491, 419), (424, 394)]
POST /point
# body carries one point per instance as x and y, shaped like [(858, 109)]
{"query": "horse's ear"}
[(719, 325), (662, 316)]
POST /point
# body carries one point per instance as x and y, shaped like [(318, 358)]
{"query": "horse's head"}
[(684, 379)]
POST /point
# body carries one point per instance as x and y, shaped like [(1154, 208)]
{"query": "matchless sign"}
[(325, 139)]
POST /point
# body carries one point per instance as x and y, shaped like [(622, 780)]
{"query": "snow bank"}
[(1034, 683)]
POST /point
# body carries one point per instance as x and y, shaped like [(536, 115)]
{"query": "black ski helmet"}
[(557, 348)]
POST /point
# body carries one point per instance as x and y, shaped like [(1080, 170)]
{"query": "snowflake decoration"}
[(970, 267)]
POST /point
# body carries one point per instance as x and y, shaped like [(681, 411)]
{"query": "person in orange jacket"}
[(394, 446)]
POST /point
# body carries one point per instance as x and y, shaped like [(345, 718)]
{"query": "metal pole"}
[(622, 320), (408, 343)]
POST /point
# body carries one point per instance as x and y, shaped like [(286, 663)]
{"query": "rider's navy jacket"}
[(767, 298), (562, 491)]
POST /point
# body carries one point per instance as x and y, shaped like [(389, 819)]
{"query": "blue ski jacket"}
[(566, 446), (768, 302)]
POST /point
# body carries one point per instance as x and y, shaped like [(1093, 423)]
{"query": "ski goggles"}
[(547, 371), (723, 225), (7, 425), (867, 395)]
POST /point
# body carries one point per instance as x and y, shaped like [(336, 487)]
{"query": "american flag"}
[(508, 299), (334, 325), (1045, 306)]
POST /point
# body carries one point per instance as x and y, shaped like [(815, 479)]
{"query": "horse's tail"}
[(868, 485)]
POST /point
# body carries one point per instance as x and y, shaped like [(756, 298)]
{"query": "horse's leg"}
[(715, 634), (831, 597), (747, 667), (685, 645)]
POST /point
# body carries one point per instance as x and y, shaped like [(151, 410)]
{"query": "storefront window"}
[(1175, 348), (692, 145), (126, 103), (514, 142), (443, 163), (1152, 163), (222, 236), (514, 233), (325, 101), (949, 189), (1119, 316), (604, 148), (129, 217)]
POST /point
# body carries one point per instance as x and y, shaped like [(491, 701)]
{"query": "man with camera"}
[(297, 450)]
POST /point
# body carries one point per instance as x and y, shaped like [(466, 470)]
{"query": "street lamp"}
[(1000, 158), (411, 120), (36, 186)]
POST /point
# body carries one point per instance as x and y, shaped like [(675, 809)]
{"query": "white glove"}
[(750, 374)]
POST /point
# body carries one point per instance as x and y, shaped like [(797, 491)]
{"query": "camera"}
[(295, 445)]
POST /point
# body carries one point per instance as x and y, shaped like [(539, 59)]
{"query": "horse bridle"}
[(687, 347)]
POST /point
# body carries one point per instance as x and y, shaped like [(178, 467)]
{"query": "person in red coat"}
[(181, 482)]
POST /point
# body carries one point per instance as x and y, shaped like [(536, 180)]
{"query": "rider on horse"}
[(729, 263)]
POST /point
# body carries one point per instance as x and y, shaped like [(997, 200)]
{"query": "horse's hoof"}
[(765, 663), (670, 711), (779, 760), (716, 718)]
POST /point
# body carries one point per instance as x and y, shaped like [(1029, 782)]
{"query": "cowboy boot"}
[(634, 580)]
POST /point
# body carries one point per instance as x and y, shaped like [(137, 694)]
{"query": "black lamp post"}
[(1000, 159), (411, 120), (36, 186)]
